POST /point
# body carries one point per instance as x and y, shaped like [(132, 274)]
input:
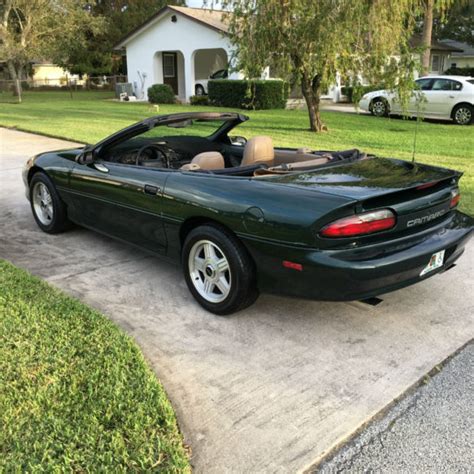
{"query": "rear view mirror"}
[(237, 140)]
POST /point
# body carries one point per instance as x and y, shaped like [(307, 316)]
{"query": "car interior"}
[(220, 154)]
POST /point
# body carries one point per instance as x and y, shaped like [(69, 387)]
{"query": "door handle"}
[(149, 189), (451, 96)]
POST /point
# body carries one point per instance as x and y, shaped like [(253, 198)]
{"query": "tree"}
[(458, 24), (316, 40), (32, 29), (95, 55), (430, 9)]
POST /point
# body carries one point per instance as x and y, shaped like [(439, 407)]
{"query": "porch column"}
[(189, 74)]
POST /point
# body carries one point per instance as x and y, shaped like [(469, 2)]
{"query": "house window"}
[(454, 65), (435, 62)]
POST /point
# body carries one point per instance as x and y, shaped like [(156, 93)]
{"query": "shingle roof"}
[(416, 41), (215, 19), (467, 50)]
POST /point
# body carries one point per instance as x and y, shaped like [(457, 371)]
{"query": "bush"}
[(248, 94), (161, 94), (460, 71), (354, 93), (199, 100)]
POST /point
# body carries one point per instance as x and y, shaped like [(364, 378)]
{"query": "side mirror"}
[(86, 157), (237, 140)]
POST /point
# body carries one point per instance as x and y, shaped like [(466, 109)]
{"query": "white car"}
[(445, 98), (200, 86)]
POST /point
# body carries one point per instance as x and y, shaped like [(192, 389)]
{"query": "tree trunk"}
[(312, 93), (15, 77), (426, 36)]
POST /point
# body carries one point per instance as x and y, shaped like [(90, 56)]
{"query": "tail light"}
[(455, 198), (360, 224)]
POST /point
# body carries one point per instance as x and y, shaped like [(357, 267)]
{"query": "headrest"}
[(209, 160), (258, 150)]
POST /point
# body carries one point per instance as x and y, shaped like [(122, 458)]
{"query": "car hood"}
[(366, 178)]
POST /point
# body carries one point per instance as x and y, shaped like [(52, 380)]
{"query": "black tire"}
[(199, 90), (463, 114), (379, 107), (59, 221), (243, 290)]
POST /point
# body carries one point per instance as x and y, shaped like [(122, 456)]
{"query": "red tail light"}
[(455, 198), (360, 224)]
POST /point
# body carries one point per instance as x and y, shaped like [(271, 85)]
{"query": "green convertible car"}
[(243, 217)]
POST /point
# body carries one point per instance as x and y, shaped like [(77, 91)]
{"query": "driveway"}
[(271, 389)]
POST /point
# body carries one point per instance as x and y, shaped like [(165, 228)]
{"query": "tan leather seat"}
[(258, 150), (208, 160)]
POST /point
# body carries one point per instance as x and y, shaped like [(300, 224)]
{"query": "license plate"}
[(435, 262)]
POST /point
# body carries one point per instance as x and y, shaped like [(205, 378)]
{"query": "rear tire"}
[(218, 270), (48, 209), (379, 108), (463, 114), (200, 90)]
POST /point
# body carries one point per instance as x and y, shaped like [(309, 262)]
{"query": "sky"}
[(198, 3)]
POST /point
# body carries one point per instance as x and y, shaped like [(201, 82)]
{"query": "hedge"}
[(460, 71), (248, 94), (199, 100), (161, 94)]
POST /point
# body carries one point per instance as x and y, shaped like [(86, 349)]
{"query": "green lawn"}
[(75, 392), (90, 116)]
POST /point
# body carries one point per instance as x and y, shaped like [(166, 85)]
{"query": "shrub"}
[(249, 94), (460, 71), (199, 100), (161, 94)]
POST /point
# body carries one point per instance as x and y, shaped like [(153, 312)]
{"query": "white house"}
[(464, 57), (177, 46)]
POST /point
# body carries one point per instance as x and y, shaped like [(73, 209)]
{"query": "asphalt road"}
[(429, 430), (271, 389)]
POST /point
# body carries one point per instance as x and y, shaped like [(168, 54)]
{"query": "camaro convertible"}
[(244, 217)]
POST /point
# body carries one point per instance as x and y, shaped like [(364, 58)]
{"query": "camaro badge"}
[(427, 218)]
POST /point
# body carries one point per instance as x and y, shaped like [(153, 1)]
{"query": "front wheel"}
[(463, 114), (48, 209), (218, 270), (379, 108)]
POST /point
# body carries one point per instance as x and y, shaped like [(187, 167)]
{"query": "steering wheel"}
[(157, 150)]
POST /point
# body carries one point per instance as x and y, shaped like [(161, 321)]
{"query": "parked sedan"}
[(243, 217), (438, 97), (201, 85)]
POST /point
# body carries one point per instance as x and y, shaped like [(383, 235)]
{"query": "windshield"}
[(194, 128)]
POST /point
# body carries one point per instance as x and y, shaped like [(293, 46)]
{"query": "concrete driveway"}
[(271, 389)]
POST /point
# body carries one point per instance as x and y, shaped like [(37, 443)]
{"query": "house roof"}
[(467, 50), (416, 42), (215, 19)]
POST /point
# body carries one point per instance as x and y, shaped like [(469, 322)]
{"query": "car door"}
[(124, 201), (418, 99), (442, 97)]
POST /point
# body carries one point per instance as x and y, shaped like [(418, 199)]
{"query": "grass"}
[(90, 116), (75, 392)]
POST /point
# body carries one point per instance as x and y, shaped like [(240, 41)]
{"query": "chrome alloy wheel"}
[(379, 108), (209, 271), (463, 116), (43, 203)]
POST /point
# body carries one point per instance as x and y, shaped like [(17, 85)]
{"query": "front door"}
[(123, 201), (170, 71)]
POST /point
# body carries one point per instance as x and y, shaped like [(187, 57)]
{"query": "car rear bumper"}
[(358, 273)]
